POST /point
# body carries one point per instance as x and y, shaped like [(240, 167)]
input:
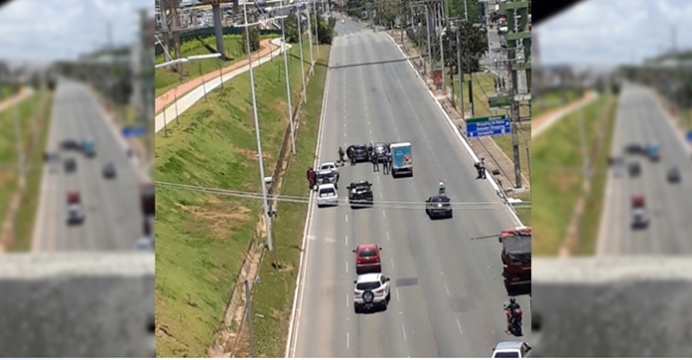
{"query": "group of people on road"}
[(374, 156)]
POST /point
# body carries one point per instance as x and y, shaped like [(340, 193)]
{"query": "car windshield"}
[(367, 253), (368, 285), (360, 187), (327, 167), (440, 199), (326, 192), (507, 354)]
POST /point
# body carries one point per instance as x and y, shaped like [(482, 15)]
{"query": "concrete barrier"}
[(612, 307), (77, 305)]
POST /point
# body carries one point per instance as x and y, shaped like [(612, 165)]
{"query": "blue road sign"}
[(488, 128), (689, 136), (131, 131)]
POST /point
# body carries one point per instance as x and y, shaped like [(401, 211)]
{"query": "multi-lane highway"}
[(642, 120), (113, 217), (447, 290)]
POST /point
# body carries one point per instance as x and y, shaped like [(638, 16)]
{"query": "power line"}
[(384, 204)]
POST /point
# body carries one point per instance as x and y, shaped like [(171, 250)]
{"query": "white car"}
[(511, 349), (371, 290), (145, 244), (329, 166), (640, 218), (75, 215), (327, 195)]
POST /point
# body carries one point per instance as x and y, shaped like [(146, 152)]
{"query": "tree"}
[(324, 29), (254, 39), (291, 23), (473, 42)]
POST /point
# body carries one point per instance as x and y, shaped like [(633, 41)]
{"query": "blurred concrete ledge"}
[(77, 305), (612, 307)]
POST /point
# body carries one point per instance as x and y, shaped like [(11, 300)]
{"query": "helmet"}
[(442, 184), (512, 300)]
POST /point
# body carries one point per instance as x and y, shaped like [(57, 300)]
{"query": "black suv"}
[(360, 152), (381, 149), (360, 192), (70, 165), (327, 177), (634, 169), (438, 206), (70, 144)]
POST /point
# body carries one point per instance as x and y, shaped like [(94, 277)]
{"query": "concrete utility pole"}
[(468, 68), (442, 49), (248, 314), (260, 154), (317, 28), (302, 62), (288, 84), (461, 74), (427, 30), (312, 61)]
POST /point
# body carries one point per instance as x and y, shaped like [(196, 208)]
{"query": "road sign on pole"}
[(488, 126)]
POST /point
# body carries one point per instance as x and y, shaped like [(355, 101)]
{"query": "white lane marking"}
[(346, 217), (348, 340), (380, 195), (383, 214), (459, 327), (397, 295), (387, 235), (446, 288), (347, 267), (392, 261), (346, 240), (370, 131), (346, 300), (403, 331)]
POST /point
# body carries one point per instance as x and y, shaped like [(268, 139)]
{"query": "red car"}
[(368, 259)]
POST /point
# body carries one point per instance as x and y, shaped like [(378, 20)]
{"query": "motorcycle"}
[(481, 170), (515, 321)]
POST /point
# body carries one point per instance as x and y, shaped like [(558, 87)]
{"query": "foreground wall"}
[(623, 307), (77, 305)]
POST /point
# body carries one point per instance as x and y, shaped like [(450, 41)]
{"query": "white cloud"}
[(614, 31), (53, 29)]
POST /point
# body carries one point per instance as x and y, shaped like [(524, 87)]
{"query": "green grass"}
[(201, 238), (552, 100), (26, 214), (591, 219), (556, 162), (273, 296), (167, 79), (524, 214), (9, 156)]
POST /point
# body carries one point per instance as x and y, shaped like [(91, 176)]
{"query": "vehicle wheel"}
[(368, 297)]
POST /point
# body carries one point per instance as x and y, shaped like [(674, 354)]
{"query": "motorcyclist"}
[(512, 308), (442, 190)]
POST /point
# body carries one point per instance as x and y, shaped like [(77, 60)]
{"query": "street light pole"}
[(427, 30), (317, 28), (302, 62), (259, 140), (288, 86), (312, 61)]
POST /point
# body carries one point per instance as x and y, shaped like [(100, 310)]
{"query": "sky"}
[(613, 32), (45, 30)]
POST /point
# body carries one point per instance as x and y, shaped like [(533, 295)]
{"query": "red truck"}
[(148, 196), (516, 256)]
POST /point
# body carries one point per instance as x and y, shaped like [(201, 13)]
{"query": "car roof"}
[(328, 163), (371, 277), (360, 182), (326, 186), (440, 197), (368, 246), (509, 345)]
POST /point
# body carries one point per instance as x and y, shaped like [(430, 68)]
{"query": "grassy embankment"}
[(557, 162), (8, 157), (551, 100), (167, 79), (202, 237)]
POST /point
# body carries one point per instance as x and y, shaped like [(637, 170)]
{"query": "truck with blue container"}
[(654, 152), (402, 159), (89, 147)]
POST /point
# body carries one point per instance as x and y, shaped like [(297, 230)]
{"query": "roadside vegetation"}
[(167, 78), (202, 237), (557, 164), (34, 134), (552, 100)]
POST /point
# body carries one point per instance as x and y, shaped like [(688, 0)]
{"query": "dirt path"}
[(537, 124), (169, 97)]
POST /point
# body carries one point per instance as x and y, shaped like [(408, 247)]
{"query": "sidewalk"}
[(496, 159), (267, 48), (545, 121), (212, 81)]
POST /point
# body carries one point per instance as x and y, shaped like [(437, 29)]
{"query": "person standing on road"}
[(385, 164), (311, 178), (351, 155), (341, 155), (375, 162)]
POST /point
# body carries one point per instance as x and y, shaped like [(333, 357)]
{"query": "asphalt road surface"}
[(447, 290), (641, 120), (113, 217)]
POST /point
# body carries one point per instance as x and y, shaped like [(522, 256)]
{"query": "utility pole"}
[(442, 49), (585, 157), (260, 154), (288, 84), (312, 61), (302, 62), (248, 317), (20, 146), (468, 68), (317, 28), (427, 30), (461, 75)]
